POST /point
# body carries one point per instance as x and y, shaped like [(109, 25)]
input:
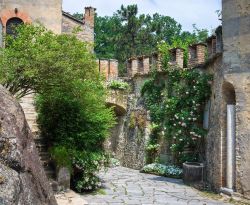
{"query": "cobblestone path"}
[(126, 186)]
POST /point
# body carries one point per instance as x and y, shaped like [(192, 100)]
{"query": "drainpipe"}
[(230, 146)]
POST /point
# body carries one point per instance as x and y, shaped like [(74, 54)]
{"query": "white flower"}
[(187, 93), (174, 124), (184, 124), (181, 139), (179, 131)]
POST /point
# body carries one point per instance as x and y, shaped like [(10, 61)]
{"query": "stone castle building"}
[(227, 114)]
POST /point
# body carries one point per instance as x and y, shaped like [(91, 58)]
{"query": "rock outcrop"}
[(22, 178)]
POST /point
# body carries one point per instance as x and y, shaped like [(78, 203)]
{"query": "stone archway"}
[(229, 136)]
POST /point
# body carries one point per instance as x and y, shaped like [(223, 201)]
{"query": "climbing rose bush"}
[(176, 99)]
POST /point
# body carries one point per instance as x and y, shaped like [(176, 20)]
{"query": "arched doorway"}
[(229, 137), (11, 25)]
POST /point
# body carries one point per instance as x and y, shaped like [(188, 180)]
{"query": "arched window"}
[(1, 34), (12, 24)]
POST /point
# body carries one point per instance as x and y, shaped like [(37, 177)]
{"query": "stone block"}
[(63, 178)]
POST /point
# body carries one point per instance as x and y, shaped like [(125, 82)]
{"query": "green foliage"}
[(176, 100), (79, 121), (163, 170), (124, 34), (72, 114), (86, 167), (61, 157), (37, 60), (118, 85)]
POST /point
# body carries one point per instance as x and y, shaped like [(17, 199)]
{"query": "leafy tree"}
[(71, 97), (37, 60)]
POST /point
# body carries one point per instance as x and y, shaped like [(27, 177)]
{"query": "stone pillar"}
[(134, 67), (103, 66), (201, 53), (180, 57), (113, 69), (146, 65), (230, 146)]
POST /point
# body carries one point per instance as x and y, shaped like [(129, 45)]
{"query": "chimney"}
[(89, 16)]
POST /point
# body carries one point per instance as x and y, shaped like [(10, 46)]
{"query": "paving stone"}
[(125, 186)]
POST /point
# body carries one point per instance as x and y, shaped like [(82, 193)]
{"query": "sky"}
[(186, 12)]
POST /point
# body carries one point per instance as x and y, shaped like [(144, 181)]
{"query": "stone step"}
[(50, 174)]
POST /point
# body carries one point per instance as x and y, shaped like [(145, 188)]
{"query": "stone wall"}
[(28, 105), (47, 12), (236, 35), (231, 86), (129, 137)]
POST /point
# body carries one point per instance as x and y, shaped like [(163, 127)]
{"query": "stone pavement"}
[(126, 186)]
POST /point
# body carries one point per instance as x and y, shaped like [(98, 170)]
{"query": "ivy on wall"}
[(176, 98)]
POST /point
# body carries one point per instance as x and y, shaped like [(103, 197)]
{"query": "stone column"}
[(134, 68), (146, 65), (180, 57), (230, 146)]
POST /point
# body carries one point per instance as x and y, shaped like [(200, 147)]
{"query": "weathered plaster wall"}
[(47, 12), (231, 85), (215, 161), (236, 59)]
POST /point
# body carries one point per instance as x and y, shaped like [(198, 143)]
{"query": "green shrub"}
[(86, 167), (163, 170), (61, 157), (118, 85), (76, 129)]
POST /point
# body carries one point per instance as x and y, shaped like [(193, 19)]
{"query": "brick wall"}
[(196, 55), (108, 68)]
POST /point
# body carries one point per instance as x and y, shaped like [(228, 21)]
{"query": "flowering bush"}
[(163, 170), (176, 99), (114, 162), (86, 167)]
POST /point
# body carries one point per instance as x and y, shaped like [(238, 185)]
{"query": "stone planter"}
[(193, 172)]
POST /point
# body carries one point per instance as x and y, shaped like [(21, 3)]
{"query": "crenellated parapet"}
[(215, 43), (196, 55), (108, 68)]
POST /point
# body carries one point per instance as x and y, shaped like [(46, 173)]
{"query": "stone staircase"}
[(45, 158), (28, 105)]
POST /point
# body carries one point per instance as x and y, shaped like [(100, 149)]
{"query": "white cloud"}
[(186, 12)]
